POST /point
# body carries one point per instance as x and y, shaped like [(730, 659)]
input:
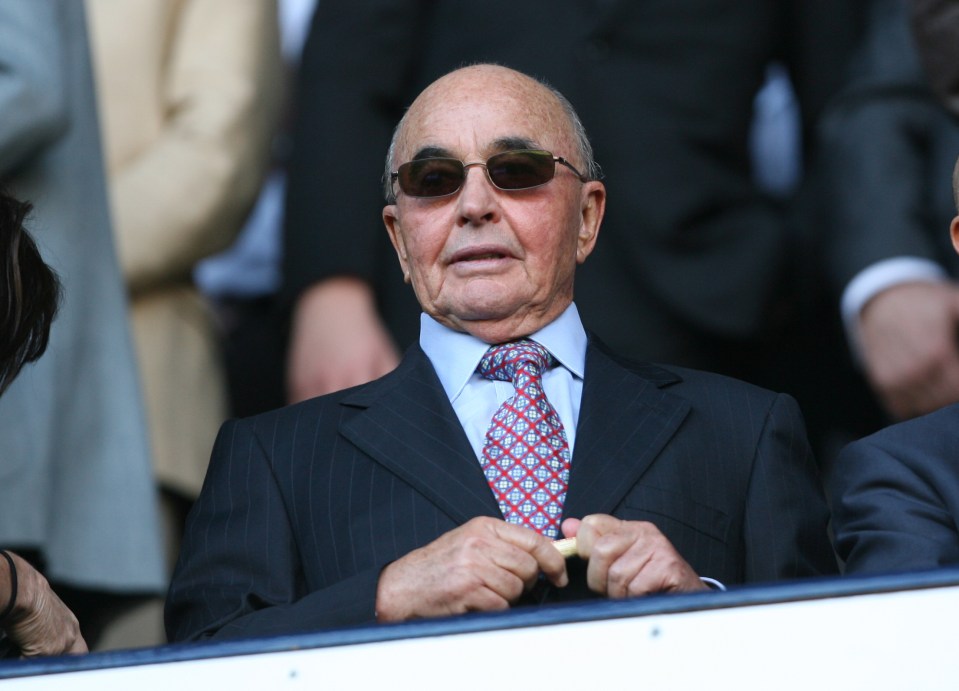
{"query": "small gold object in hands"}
[(566, 547)]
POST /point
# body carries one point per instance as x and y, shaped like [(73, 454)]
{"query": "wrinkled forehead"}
[(477, 111)]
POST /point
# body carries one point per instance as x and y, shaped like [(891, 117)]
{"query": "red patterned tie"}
[(526, 455)]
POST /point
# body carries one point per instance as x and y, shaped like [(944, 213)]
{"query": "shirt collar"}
[(455, 355)]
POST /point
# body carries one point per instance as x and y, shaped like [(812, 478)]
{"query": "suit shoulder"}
[(693, 384), (736, 404), (693, 379), (932, 435), (332, 405), (309, 408), (686, 381)]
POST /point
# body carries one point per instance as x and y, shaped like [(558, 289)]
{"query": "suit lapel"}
[(625, 421), (410, 428)]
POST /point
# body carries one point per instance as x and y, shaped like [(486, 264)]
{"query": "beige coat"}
[(188, 93)]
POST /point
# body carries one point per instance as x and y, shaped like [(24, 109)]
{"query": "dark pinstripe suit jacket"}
[(303, 506)]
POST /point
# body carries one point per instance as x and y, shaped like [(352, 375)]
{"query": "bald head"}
[(543, 103), (495, 262)]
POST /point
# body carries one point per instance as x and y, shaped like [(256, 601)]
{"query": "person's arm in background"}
[(186, 195), (350, 93), (907, 343), (337, 339), (883, 147), (38, 623)]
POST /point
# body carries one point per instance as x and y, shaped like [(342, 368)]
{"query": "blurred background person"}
[(188, 96), (33, 620), (703, 261), (895, 493), (242, 282), (935, 24), (888, 149), (76, 494)]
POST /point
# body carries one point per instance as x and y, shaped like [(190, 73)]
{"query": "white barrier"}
[(878, 633)]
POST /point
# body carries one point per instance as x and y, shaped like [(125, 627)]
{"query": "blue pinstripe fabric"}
[(303, 507)]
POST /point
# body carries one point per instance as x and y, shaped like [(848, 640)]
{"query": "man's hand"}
[(629, 558), (40, 623), (337, 340), (484, 565), (910, 349)]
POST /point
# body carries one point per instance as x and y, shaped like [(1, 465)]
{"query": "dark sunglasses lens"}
[(519, 170), (431, 177)]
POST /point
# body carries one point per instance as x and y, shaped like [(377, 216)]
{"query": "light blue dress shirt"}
[(475, 399)]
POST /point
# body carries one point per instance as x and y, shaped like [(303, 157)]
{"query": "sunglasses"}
[(511, 170)]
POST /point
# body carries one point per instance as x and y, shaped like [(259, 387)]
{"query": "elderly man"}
[(896, 492), (387, 501)]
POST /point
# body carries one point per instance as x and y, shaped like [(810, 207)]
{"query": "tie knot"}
[(503, 361)]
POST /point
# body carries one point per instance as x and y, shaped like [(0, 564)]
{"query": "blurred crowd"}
[(207, 180)]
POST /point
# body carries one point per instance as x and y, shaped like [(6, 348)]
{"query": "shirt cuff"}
[(712, 583), (873, 280)]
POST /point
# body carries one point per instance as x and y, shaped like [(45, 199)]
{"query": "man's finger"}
[(550, 561), (502, 586), (590, 529)]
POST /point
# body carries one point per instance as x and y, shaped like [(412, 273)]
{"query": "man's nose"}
[(478, 201)]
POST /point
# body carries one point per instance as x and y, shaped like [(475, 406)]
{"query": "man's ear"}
[(593, 208), (391, 220), (954, 232)]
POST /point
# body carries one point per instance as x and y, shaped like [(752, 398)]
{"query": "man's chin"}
[(488, 313), (498, 327), (491, 304)]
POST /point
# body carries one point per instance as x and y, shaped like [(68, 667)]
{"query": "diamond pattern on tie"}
[(526, 455)]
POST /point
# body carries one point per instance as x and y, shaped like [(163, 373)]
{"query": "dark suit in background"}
[(303, 507), (694, 265), (895, 496), (887, 150), (935, 24)]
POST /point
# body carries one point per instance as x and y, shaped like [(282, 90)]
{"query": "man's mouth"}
[(479, 254), (485, 255)]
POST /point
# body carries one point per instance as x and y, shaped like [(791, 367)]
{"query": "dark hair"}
[(29, 293)]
